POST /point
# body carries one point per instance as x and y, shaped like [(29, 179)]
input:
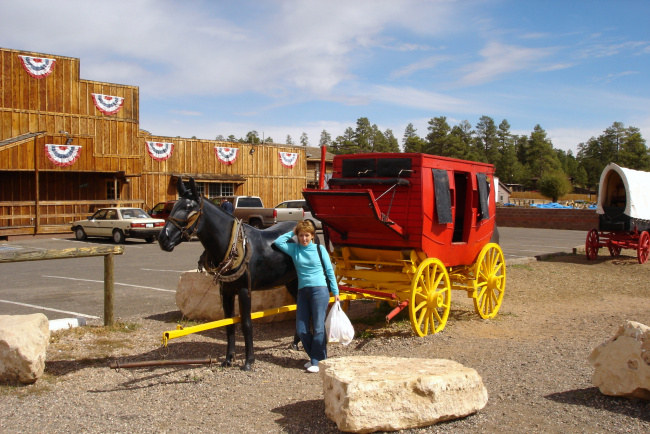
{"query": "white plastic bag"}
[(338, 326)]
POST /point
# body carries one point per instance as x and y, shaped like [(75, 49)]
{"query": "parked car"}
[(301, 204), (162, 210), (250, 209), (119, 224)]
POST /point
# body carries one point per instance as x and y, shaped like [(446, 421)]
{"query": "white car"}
[(301, 203), (119, 224)]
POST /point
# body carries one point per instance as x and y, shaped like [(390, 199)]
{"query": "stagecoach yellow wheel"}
[(430, 297), (490, 281)]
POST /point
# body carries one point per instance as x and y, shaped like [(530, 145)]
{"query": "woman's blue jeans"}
[(312, 304)]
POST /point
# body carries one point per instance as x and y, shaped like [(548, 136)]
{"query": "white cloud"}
[(500, 60)]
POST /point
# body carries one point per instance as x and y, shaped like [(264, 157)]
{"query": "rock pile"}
[(23, 342)]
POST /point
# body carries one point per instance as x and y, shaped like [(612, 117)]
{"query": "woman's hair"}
[(305, 226)]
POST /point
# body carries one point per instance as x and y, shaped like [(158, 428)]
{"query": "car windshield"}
[(134, 213)]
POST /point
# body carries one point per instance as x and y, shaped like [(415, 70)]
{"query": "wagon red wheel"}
[(430, 297), (614, 250), (591, 246), (643, 248), (490, 281)]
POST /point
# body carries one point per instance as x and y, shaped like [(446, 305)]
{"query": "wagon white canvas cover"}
[(624, 188)]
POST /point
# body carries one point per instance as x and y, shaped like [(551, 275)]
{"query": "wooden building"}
[(69, 146)]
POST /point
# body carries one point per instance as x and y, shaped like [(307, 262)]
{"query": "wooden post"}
[(37, 202), (109, 317)]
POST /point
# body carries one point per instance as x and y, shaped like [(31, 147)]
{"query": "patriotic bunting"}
[(62, 155), (160, 151), (288, 159), (109, 105), (37, 67), (226, 155)]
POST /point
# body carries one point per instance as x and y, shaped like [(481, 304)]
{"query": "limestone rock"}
[(366, 394), (198, 297), (622, 364), (23, 342)]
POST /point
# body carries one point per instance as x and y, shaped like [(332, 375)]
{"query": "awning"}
[(211, 177)]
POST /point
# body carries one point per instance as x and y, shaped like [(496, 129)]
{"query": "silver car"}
[(119, 224), (301, 203)]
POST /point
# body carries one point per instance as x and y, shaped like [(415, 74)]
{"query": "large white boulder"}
[(23, 343), (198, 297), (366, 394), (622, 364)]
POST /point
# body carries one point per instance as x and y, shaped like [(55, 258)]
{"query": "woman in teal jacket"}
[(313, 295)]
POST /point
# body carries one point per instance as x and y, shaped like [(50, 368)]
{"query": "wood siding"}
[(113, 150)]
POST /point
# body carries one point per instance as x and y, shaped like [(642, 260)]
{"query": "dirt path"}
[(532, 358)]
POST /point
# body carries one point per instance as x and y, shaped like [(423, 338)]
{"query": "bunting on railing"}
[(288, 159), (62, 155), (37, 67), (160, 151), (107, 104), (226, 155)]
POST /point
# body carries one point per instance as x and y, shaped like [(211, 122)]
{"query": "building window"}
[(110, 190), (215, 189)]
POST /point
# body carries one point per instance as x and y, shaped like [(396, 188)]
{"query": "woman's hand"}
[(337, 298)]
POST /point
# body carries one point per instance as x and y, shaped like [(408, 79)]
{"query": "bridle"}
[(190, 222)]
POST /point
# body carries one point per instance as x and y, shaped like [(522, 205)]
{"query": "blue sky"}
[(286, 67)]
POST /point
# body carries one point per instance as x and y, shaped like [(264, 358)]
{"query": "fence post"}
[(109, 318)]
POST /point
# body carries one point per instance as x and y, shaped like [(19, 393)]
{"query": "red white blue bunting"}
[(107, 104), (226, 155), (37, 67), (288, 159), (62, 155), (160, 151)]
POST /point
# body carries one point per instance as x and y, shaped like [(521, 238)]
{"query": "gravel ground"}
[(532, 358)]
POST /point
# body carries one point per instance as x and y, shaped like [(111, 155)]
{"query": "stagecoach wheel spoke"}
[(591, 245), (614, 250), (644, 247), (430, 297), (490, 282)]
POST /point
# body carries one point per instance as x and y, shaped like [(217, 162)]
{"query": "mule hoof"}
[(226, 364), (246, 367), (293, 347)]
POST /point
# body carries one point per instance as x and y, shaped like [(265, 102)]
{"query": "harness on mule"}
[(185, 225), (236, 258)]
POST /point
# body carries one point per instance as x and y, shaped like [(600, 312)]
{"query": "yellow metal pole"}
[(181, 331)]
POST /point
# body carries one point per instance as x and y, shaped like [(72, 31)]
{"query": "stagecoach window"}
[(361, 167), (442, 195), (391, 167), (483, 196)]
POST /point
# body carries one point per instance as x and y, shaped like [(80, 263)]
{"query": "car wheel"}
[(150, 240), (118, 236), (257, 224), (80, 234)]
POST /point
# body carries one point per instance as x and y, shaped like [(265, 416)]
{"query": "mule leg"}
[(228, 301), (246, 326)]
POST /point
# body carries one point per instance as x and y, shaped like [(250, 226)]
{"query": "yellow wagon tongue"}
[(354, 214)]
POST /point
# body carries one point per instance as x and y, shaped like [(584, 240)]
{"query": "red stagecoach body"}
[(442, 207)]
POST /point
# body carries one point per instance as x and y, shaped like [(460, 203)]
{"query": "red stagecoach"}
[(408, 228), (623, 213)]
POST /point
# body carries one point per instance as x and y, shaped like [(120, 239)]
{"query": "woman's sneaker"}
[(307, 365), (313, 368)]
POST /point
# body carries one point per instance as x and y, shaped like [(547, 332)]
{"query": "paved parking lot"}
[(146, 277)]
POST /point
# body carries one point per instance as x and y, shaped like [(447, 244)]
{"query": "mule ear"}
[(193, 189), (180, 186)]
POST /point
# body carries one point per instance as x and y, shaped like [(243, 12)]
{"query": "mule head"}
[(182, 218)]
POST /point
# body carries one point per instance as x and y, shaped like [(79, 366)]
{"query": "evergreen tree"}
[(325, 139), (363, 135), (437, 139), (304, 141), (392, 145), (633, 152), (487, 142), (411, 141), (540, 156), (289, 140), (219, 138), (231, 138), (345, 144), (252, 137)]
